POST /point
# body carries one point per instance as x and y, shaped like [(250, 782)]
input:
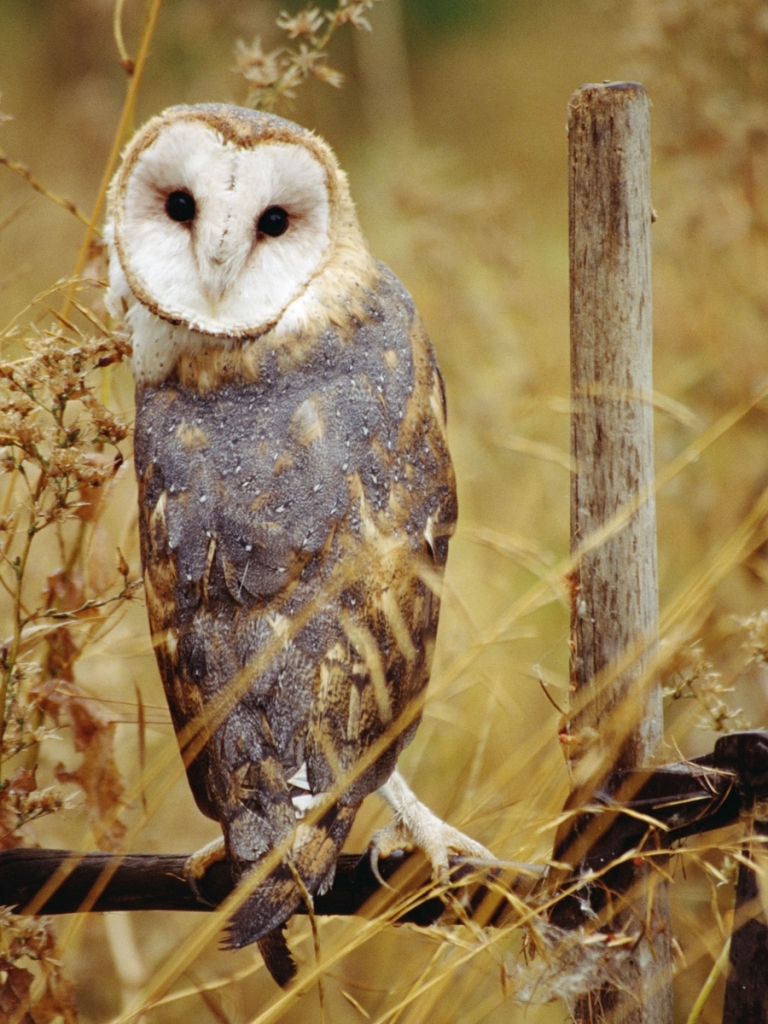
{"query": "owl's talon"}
[(374, 855), (196, 865), (416, 827)]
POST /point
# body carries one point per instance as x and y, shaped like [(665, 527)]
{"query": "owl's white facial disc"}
[(213, 263)]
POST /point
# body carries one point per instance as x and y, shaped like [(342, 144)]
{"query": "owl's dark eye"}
[(273, 222), (180, 206)]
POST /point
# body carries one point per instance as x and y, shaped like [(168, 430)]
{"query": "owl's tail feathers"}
[(264, 913), (277, 956), (262, 916)]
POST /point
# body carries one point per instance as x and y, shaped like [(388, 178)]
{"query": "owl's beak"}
[(218, 276), (220, 260), (216, 280)]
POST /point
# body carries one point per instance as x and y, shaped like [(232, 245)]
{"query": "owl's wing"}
[(294, 530), (239, 685), (390, 553)]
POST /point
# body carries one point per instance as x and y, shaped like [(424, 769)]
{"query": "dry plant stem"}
[(15, 214), (290, 78), (615, 592), (277, 74), (26, 174), (310, 907), (117, 31), (706, 990), (127, 112), (11, 655)]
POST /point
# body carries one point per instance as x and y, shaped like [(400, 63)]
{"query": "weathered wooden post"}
[(746, 990), (617, 716)]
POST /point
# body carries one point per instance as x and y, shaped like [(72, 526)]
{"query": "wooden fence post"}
[(745, 989), (616, 721)]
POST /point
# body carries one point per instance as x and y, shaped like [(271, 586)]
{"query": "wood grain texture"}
[(746, 990), (616, 722), (615, 605)]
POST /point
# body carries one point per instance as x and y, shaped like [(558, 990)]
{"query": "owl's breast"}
[(245, 499), (258, 479)]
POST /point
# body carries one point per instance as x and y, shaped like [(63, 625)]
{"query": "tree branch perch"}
[(81, 882)]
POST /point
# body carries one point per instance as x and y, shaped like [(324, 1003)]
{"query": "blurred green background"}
[(451, 126)]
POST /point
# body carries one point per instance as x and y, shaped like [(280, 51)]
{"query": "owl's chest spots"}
[(256, 483)]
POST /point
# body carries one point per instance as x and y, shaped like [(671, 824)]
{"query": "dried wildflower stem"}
[(615, 590), (26, 174), (12, 653), (706, 990), (150, 24), (117, 31), (294, 74), (278, 73)]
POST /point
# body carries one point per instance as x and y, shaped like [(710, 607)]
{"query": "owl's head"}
[(223, 224)]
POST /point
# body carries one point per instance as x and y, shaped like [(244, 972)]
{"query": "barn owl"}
[(296, 496)]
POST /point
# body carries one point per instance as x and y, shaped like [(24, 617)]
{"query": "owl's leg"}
[(414, 826), (197, 863)]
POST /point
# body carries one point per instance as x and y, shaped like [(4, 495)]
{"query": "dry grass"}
[(466, 201)]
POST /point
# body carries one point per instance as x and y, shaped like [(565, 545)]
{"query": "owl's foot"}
[(413, 827), (197, 863)]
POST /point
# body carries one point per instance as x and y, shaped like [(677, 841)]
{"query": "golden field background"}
[(451, 128)]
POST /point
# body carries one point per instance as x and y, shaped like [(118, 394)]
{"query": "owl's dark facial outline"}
[(273, 222), (229, 271), (181, 207)]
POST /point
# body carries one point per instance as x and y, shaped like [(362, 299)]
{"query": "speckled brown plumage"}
[(295, 505)]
